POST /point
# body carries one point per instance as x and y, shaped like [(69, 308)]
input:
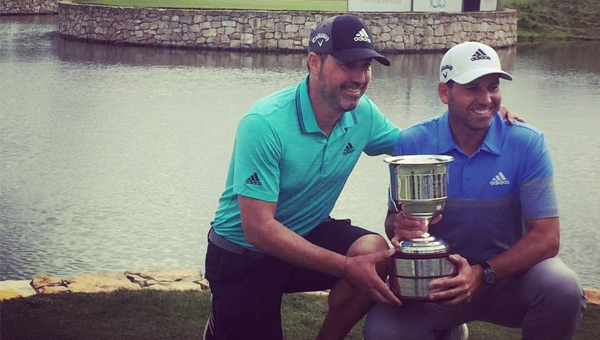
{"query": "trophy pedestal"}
[(416, 263)]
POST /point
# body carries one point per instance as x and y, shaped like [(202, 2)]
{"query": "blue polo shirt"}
[(282, 156), (507, 181)]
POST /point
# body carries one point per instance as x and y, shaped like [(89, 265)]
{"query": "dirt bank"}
[(557, 19)]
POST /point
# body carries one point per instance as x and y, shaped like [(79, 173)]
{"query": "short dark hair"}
[(321, 55)]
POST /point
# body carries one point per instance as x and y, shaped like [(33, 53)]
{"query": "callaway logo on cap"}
[(346, 38), (468, 61)]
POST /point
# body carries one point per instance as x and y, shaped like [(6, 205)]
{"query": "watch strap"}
[(484, 265), (489, 274)]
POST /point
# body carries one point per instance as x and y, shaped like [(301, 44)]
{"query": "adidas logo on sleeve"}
[(499, 179), (253, 180)]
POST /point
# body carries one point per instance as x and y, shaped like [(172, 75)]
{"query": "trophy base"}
[(416, 263)]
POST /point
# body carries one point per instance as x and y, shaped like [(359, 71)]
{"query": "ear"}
[(444, 92), (313, 62)]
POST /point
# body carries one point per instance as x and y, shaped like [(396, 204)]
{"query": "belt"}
[(231, 247)]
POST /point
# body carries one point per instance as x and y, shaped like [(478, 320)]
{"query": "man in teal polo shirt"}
[(293, 153), (501, 217)]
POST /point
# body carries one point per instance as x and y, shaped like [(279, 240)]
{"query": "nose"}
[(485, 97), (361, 75)]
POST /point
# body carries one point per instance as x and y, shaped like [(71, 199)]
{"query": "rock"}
[(6, 294), (103, 282), (164, 277), (45, 284), (15, 288), (592, 295), (175, 279)]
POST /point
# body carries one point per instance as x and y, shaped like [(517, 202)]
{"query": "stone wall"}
[(278, 30), (28, 6)]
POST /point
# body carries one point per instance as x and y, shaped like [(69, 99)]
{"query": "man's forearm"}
[(279, 241), (540, 243)]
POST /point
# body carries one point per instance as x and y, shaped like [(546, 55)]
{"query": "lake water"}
[(113, 157)]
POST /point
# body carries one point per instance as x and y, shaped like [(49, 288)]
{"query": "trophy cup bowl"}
[(419, 188)]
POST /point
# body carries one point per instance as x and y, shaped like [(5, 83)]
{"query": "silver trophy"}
[(419, 188)]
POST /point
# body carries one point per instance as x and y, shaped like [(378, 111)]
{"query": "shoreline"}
[(159, 279)]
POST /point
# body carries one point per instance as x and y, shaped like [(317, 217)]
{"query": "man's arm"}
[(541, 242), (266, 233)]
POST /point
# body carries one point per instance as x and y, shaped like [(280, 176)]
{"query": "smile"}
[(481, 112)]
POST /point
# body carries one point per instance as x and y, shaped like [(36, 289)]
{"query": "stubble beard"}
[(467, 117), (335, 97)]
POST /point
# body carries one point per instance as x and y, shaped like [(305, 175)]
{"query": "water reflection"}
[(113, 157), (77, 51)]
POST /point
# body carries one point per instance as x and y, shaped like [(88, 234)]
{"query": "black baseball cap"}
[(346, 38)]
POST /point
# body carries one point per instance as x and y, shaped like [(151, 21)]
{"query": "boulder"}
[(15, 288), (102, 282), (46, 284)]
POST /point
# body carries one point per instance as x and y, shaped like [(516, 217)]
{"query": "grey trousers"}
[(547, 302)]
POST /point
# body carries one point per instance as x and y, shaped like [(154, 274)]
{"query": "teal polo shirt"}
[(507, 181), (282, 156)]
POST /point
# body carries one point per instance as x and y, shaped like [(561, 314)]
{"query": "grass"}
[(557, 19), (291, 5), (150, 314)]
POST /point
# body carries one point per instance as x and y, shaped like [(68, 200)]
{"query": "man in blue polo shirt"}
[(293, 153), (501, 217)]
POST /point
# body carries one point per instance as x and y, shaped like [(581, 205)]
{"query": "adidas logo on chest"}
[(499, 179), (349, 148)]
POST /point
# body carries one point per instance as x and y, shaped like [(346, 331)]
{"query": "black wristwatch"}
[(489, 275)]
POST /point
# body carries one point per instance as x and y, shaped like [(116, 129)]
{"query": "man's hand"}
[(401, 227), (360, 272), (460, 288), (510, 116)]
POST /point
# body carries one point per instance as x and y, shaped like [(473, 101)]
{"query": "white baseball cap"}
[(468, 61)]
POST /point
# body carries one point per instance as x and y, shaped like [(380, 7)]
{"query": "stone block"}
[(247, 39), (194, 28), (291, 28), (255, 23), (285, 44), (298, 19), (186, 19), (304, 33)]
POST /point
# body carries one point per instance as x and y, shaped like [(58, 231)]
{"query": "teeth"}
[(481, 111)]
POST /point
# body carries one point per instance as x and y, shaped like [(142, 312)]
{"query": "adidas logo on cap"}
[(362, 36), (480, 55)]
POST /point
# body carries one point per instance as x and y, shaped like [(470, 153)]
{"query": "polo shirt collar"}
[(492, 142), (306, 115)]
